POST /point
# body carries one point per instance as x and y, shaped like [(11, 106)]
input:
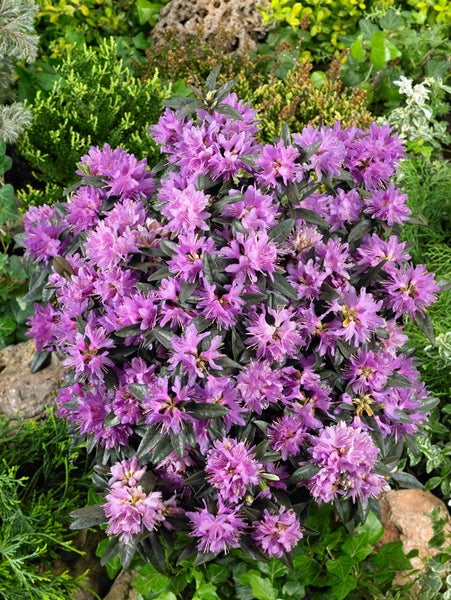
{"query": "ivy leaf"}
[(357, 547), (8, 209), (382, 50), (261, 586), (7, 326)]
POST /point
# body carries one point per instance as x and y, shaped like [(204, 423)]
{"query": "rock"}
[(122, 587), (23, 393), (241, 20), (404, 515)]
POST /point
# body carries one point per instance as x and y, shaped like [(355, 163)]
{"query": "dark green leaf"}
[(359, 230), (139, 390), (284, 287), (178, 443), (255, 298), (229, 111), (128, 331), (398, 380), (281, 231), (391, 557), (164, 336), (126, 553), (311, 216), (161, 450), (148, 441), (186, 291), (406, 480), (40, 360), (425, 325), (207, 410), (87, 517), (212, 78), (303, 473)]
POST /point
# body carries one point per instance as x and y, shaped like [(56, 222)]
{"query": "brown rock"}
[(122, 588), (184, 18), (404, 515), (23, 393)]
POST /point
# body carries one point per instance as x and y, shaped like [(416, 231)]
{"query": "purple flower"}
[(328, 157), (359, 316), (259, 385), (223, 309), (277, 533), (254, 253), (85, 355), (277, 164), (131, 511), (126, 473), (84, 207), (194, 360), (387, 205), (216, 532), (185, 209), (123, 175), (286, 436), (374, 250), (164, 404), (278, 339), (231, 467), (43, 227), (346, 456), (410, 290), (255, 210)]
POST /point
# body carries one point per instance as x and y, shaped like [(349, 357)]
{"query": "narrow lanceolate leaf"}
[(163, 336), (311, 216), (281, 231), (87, 516), (398, 380), (162, 449), (207, 410), (283, 286), (148, 441), (303, 473), (425, 325)]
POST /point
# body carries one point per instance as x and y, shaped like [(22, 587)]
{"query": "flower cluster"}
[(232, 323)]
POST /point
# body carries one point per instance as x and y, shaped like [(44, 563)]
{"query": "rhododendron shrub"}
[(231, 323)]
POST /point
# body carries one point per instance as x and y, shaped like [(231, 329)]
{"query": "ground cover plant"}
[(227, 326), (42, 478)]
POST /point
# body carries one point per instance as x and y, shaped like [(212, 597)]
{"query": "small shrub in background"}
[(96, 98), (297, 101), (233, 337), (281, 91)]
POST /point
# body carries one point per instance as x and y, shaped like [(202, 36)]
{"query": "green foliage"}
[(278, 87), (332, 564), (14, 311), (388, 45), (297, 101), (65, 23), (96, 100), (41, 478), (428, 187), (324, 22)]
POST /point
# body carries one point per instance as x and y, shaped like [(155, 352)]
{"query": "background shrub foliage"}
[(96, 99)]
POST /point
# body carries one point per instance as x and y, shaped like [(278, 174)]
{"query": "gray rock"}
[(184, 18), (23, 393)]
